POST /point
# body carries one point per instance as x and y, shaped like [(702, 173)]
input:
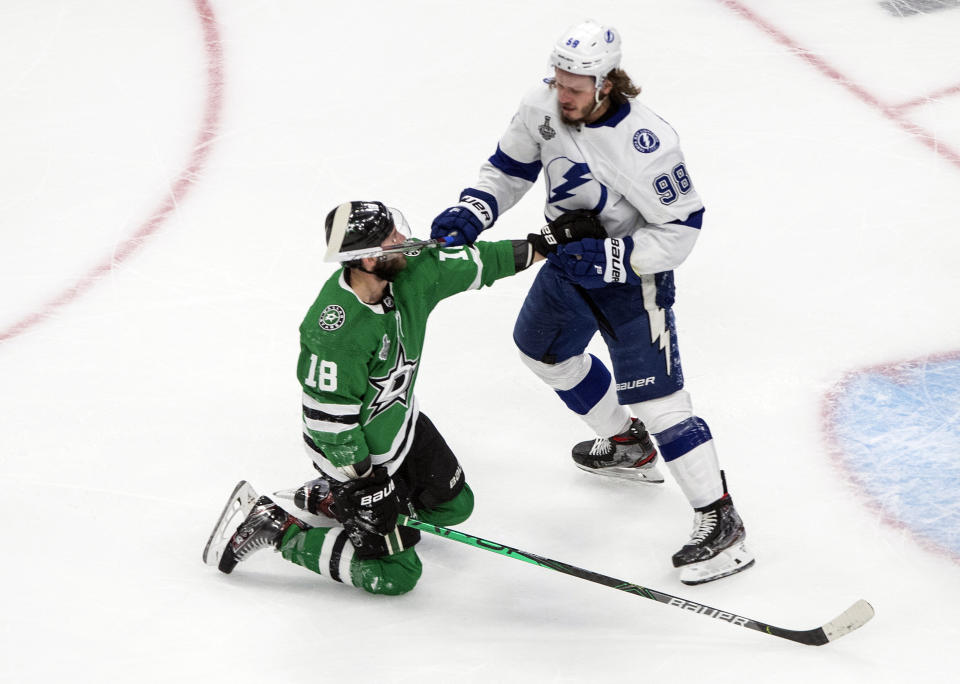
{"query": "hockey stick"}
[(410, 245), (852, 618)]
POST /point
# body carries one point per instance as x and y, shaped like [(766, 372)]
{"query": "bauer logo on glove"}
[(595, 263), (370, 499), (615, 261)]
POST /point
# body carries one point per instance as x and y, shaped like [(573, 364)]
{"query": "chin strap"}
[(598, 99)]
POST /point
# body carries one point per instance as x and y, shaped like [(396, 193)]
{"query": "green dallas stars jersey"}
[(358, 362)]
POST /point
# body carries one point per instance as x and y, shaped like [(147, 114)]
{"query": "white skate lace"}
[(601, 447), (703, 525), (255, 545)]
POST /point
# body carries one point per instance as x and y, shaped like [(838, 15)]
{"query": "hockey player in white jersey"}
[(609, 160)]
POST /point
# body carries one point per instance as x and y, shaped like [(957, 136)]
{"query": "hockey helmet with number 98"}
[(361, 225), (587, 49)]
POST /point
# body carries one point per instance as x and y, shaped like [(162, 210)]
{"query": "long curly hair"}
[(622, 88)]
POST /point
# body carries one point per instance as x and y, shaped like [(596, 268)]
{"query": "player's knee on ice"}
[(327, 552), (399, 573), (390, 575)]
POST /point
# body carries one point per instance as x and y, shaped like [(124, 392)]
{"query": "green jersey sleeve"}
[(334, 381), (449, 270)]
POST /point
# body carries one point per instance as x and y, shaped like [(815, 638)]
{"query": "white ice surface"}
[(830, 243)]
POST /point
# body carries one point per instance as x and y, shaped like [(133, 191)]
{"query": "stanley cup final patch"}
[(332, 317), (546, 130)]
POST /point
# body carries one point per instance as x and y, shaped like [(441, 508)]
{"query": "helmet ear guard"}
[(587, 49)]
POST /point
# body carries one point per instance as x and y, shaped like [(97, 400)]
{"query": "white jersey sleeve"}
[(513, 169)]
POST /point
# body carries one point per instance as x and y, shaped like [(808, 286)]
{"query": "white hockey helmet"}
[(588, 49)]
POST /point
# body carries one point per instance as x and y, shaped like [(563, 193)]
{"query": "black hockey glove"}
[(370, 502), (569, 227), (369, 507)]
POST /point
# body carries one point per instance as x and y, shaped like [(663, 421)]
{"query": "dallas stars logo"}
[(392, 388), (332, 317)]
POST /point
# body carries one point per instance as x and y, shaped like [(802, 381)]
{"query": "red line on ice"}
[(894, 113), (176, 193), (932, 97)]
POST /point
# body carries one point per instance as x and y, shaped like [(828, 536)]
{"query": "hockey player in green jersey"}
[(378, 455)]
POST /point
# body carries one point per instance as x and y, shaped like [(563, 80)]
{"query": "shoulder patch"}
[(546, 130), (332, 317), (646, 141)]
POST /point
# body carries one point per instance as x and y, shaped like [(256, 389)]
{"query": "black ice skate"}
[(263, 526), (629, 455), (716, 548)]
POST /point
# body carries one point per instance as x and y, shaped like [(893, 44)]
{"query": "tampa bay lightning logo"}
[(646, 141), (609, 36), (571, 186)]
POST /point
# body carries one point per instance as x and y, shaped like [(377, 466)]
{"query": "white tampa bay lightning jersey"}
[(628, 167)]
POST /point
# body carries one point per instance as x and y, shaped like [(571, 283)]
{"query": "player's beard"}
[(387, 269), (579, 116)]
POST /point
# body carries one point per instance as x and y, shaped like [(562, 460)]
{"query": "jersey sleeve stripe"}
[(331, 409), (308, 440), (328, 427), (478, 279), (694, 220), (317, 415), (528, 171), (391, 458)]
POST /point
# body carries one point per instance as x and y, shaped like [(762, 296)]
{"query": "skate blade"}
[(647, 475), (236, 510), (729, 562)]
